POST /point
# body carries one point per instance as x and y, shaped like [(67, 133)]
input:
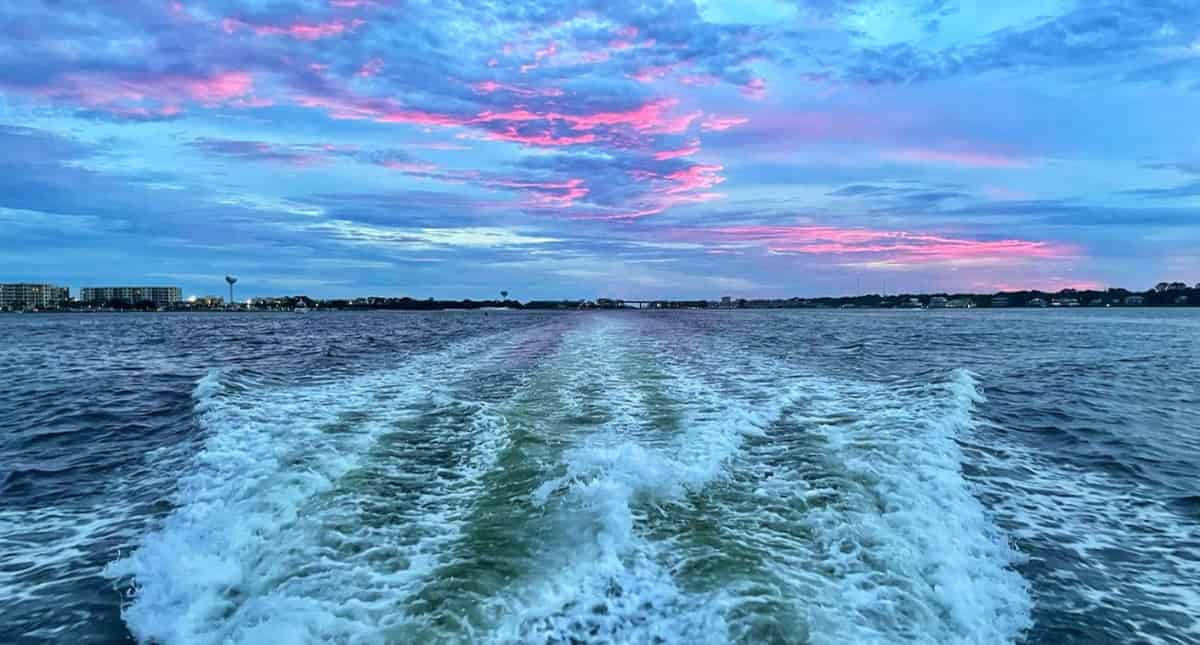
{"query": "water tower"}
[(230, 279)]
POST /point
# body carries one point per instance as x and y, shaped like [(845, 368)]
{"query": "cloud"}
[(424, 239), (299, 30), (340, 128), (880, 248)]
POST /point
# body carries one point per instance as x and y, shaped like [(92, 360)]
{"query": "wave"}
[(914, 555), (287, 527), (621, 489), (720, 529)]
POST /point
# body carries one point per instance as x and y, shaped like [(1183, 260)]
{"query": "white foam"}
[(904, 549), (873, 535), (610, 582), (852, 504), (207, 389), (268, 544)]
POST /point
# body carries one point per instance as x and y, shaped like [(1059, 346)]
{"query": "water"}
[(606, 477)]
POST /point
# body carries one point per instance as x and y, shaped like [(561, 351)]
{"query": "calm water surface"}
[(601, 477)]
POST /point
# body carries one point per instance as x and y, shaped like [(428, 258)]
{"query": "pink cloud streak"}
[(297, 30), (149, 95), (884, 246), (488, 87)]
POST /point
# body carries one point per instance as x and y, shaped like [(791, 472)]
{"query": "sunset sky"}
[(752, 148)]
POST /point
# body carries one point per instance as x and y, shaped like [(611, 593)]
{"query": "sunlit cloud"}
[(758, 139), (872, 248)]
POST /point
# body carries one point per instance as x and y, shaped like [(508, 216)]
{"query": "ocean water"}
[(601, 477)]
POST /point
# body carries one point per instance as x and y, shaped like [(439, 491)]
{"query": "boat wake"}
[(596, 483)]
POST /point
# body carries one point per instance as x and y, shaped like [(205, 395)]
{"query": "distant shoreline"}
[(76, 312), (1162, 295)]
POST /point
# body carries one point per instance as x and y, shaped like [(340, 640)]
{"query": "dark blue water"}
[(748, 476)]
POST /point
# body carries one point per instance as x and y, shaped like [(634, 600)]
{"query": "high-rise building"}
[(31, 296), (160, 296)]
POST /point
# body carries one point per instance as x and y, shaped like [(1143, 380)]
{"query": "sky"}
[(583, 149)]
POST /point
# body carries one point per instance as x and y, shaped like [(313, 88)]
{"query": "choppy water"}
[(683, 477)]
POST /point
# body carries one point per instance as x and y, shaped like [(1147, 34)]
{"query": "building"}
[(32, 296), (160, 296), (1035, 302), (1135, 301), (209, 301), (960, 303), (999, 301), (937, 302)]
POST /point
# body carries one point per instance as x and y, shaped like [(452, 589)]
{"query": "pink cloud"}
[(297, 30), (883, 247), (968, 159), (148, 95), (379, 110), (488, 87), (653, 117), (720, 123), (561, 194), (650, 117), (221, 87), (542, 139), (696, 177), (673, 189)]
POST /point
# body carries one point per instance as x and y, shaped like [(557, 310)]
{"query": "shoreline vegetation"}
[(1162, 295)]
